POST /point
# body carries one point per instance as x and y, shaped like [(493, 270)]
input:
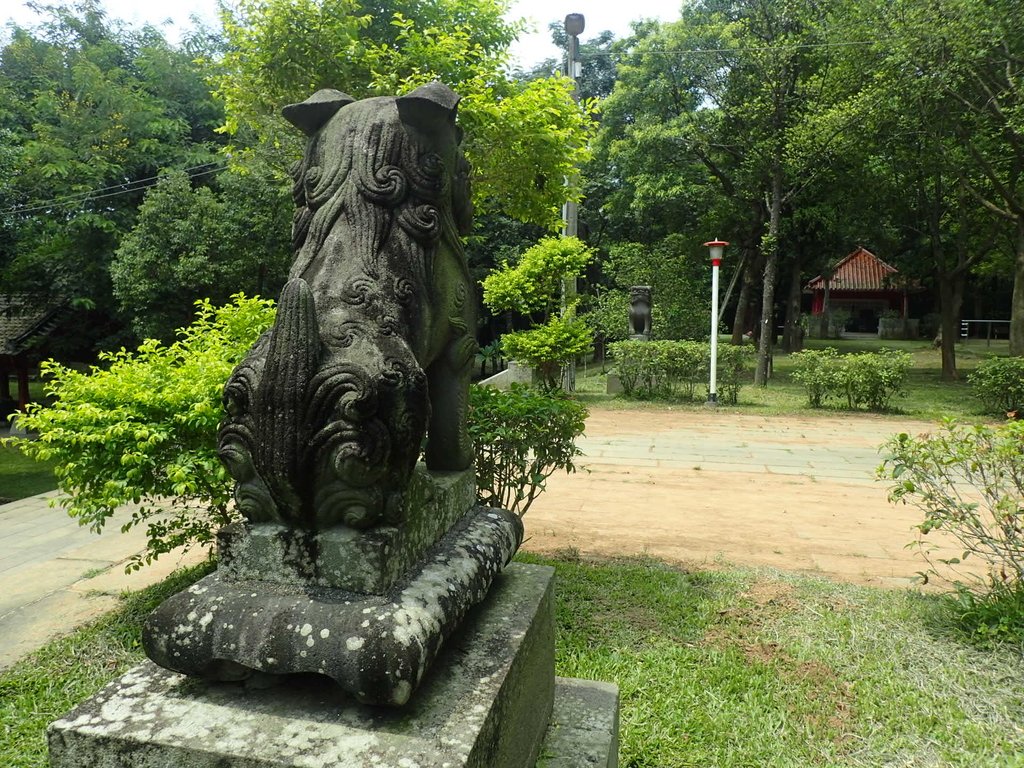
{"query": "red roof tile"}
[(860, 271)]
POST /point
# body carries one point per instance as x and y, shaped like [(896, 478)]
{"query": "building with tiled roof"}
[(863, 285), (24, 324)]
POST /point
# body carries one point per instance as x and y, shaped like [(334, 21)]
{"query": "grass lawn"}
[(928, 397), (21, 476), (716, 667)]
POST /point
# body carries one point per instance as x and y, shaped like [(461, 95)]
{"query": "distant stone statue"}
[(373, 337), (640, 312), (353, 563)]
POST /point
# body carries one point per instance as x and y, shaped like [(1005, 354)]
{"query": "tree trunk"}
[(793, 336), (740, 323), (950, 298), (771, 268), (1017, 305)]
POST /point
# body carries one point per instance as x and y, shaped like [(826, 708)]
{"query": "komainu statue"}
[(353, 562), (640, 312), (373, 343)]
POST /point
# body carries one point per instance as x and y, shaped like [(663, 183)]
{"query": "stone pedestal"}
[(490, 701), (368, 609)]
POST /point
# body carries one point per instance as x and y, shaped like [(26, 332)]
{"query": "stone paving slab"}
[(55, 574)]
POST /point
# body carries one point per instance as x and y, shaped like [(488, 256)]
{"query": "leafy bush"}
[(143, 429), (546, 348), (993, 616), (872, 379), (969, 483), (818, 372), (534, 286), (534, 283), (679, 368), (734, 366), (999, 384), (522, 436), (868, 379)]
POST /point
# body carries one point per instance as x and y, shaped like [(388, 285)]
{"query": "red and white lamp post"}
[(716, 247)]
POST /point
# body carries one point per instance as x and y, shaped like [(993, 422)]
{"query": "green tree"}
[(680, 283), (533, 287), (201, 242), (94, 110), (523, 138), (963, 58)]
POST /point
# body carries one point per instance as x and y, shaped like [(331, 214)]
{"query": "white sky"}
[(531, 48)]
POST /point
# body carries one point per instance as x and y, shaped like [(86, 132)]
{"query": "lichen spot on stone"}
[(403, 689), (306, 629), (354, 643), (309, 642), (204, 622), (325, 633)]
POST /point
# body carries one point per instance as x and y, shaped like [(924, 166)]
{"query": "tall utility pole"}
[(574, 26)]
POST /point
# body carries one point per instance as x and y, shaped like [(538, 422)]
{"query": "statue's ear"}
[(429, 104), (311, 114)]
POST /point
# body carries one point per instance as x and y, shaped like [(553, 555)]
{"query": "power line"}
[(114, 190)]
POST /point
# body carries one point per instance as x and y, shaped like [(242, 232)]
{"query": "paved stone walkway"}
[(796, 493), (55, 574)]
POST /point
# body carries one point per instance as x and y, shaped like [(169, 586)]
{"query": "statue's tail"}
[(280, 400)]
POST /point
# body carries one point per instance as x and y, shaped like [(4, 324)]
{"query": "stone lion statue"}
[(373, 345)]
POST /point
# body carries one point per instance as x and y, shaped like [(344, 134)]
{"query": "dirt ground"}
[(705, 487)]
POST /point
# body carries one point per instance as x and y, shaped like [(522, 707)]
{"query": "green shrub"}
[(534, 283), (143, 429), (992, 616), (872, 379), (818, 372), (521, 436), (999, 384), (547, 348), (683, 367), (637, 364), (868, 379), (969, 483), (734, 366), (533, 286), (679, 368)]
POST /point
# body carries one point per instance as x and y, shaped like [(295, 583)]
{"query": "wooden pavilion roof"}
[(23, 320), (860, 271)]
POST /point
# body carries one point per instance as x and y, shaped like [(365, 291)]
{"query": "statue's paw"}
[(338, 503)]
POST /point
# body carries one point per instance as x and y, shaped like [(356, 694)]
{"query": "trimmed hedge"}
[(999, 384), (679, 369), (866, 380)]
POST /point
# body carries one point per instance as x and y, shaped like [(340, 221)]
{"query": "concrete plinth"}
[(487, 702), (584, 728)]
